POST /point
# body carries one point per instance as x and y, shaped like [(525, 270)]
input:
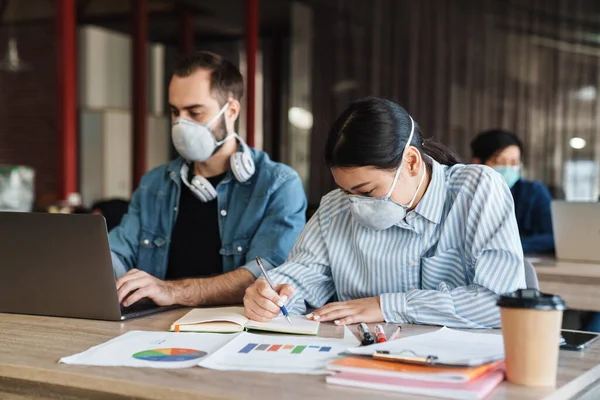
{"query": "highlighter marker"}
[(367, 337), (380, 334)]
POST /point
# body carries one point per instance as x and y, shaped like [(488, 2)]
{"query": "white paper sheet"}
[(152, 349), (448, 345), (279, 354)]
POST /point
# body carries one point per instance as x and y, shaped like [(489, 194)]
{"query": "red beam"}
[(277, 96), (186, 42), (252, 9), (66, 70), (139, 94)]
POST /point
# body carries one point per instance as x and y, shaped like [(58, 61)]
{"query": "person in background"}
[(112, 210), (411, 236), (195, 225), (72, 205), (502, 151)]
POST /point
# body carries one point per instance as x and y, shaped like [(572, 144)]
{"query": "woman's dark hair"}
[(491, 142), (373, 132)]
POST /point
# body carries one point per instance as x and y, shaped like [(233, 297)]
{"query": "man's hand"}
[(350, 312), (136, 285)]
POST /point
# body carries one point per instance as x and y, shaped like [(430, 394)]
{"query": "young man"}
[(502, 150), (195, 225)]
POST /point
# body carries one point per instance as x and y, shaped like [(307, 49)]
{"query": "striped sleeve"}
[(491, 245), (307, 270)]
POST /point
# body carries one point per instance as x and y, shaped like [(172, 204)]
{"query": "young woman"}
[(411, 236)]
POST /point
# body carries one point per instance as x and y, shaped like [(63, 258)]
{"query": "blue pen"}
[(283, 309)]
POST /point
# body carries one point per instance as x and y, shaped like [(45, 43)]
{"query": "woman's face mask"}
[(379, 213)]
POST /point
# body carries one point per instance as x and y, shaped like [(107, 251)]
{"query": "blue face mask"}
[(510, 174)]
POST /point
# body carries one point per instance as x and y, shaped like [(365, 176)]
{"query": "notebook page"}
[(220, 314), (299, 325)]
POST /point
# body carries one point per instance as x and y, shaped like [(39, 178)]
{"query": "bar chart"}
[(287, 348), (279, 353)]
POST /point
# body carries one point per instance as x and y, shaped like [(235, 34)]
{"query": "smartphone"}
[(576, 340)]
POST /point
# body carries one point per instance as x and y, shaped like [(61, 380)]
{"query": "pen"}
[(367, 337), (396, 333), (283, 309), (380, 334)]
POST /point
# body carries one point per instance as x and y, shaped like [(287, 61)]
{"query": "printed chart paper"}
[(279, 354), (152, 350)]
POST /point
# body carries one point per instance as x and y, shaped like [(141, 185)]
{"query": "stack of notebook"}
[(452, 383), (459, 371)]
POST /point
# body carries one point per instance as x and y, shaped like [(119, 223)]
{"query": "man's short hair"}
[(225, 80), (491, 142)]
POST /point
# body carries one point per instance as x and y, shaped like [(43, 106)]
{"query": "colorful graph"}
[(294, 349), (169, 355)]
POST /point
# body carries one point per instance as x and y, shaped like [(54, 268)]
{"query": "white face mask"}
[(194, 141), (379, 213)]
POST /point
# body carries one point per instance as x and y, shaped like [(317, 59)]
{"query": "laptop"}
[(60, 265), (576, 231)]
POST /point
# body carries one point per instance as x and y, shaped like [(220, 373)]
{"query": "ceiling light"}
[(11, 61), (300, 117), (577, 143), (587, 93), (344, 86)]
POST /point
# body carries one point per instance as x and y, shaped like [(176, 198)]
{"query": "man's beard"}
[(220, 131)]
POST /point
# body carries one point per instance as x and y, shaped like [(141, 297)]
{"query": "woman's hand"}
[(350, 312), (261, 303)]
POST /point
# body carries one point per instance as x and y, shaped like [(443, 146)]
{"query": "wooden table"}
[(31, 346), (577, 283)]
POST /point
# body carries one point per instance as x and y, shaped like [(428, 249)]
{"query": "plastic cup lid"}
[(532, 299)]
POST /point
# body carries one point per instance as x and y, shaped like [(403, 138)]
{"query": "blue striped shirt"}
[(444, 265)]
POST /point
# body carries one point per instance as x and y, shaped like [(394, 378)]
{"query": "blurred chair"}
[(113, 211), (557, 192), (531, 279)]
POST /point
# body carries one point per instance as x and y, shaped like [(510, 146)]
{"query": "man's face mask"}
[(511, 174), (194, 141), (379, 213)]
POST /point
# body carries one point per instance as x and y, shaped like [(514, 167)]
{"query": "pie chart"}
[(169, 355)]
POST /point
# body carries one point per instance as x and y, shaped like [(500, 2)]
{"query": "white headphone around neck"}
[(242, 167)]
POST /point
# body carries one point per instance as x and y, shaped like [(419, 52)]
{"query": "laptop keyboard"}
[(138, 307), (143, 308)]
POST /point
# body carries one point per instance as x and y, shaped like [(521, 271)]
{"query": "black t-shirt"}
[(195, 240)]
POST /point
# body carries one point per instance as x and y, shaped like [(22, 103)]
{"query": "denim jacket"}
[(261, 217)]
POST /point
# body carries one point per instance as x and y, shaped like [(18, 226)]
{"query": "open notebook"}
[(231, 319)]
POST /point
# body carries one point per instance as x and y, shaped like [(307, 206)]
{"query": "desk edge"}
[(577, 385)]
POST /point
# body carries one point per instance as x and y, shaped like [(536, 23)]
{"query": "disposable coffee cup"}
[(531, 323)]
